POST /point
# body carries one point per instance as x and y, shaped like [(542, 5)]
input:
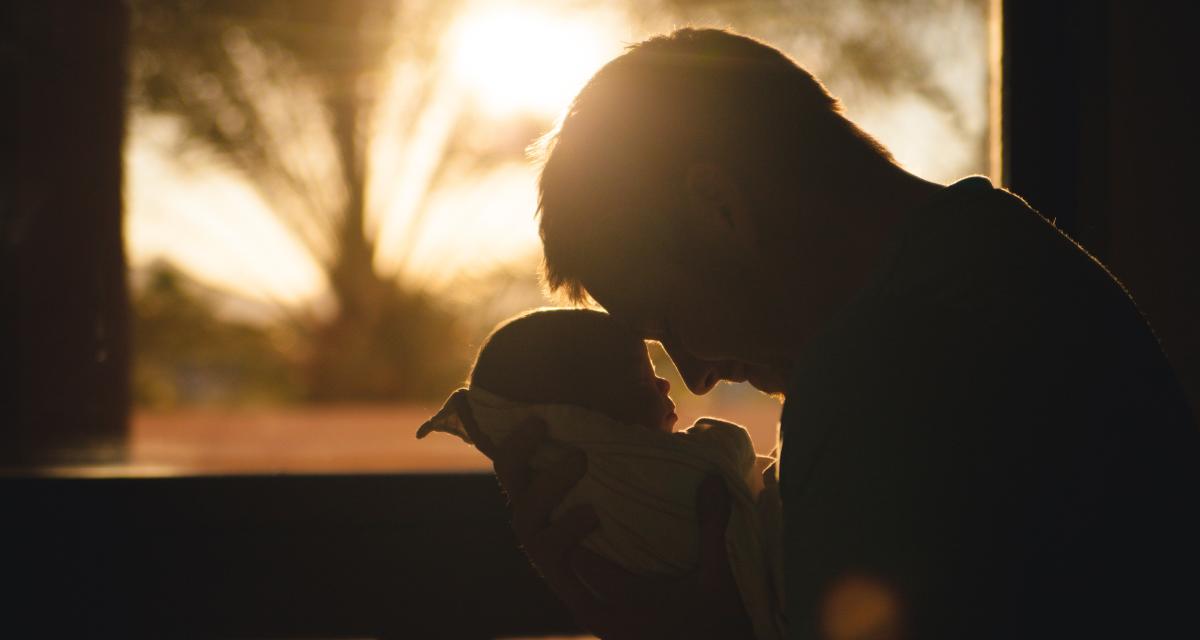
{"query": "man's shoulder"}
[(985, 309), (982, 236), (995, 406)]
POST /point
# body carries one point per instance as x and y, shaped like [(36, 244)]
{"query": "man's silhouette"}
[(981, 436)]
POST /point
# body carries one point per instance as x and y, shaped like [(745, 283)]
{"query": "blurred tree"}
[(186, 353), (303, 98), (887, 47)]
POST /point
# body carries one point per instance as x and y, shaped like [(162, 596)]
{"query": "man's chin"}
[(768, 382)]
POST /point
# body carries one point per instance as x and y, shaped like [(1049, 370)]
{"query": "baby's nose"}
[(663, 385)]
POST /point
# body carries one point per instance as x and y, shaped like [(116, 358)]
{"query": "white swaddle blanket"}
[(642, 485)]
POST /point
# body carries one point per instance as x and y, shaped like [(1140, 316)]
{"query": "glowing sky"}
[(208, 220), (502, 59)]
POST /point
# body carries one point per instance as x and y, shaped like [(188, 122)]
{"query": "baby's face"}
[(640, 396)]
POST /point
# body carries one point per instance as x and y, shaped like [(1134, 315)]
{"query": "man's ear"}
[(719, 201)]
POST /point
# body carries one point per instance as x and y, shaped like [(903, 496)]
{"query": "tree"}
[(880, 48), (187, 353), (295, 96)]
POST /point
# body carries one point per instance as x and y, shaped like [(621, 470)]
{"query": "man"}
[(981, 436)]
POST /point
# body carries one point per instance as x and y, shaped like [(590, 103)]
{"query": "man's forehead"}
[(628, 304), (634, 289)]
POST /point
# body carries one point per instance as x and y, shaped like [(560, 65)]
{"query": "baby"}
[(591, 380), (579, 357)]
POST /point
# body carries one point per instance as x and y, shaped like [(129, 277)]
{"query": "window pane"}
[(329, 205)]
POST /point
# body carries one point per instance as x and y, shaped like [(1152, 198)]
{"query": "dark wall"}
[(1100, 134), (62, 271), (1153, 135)]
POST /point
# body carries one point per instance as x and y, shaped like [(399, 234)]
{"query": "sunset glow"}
[(500, 65), (525, 58), (452, 94)]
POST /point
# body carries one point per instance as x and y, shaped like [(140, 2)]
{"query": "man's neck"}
[(877, 205)]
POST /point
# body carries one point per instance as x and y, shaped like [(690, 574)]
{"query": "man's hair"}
[(693, 95), (555, 356)]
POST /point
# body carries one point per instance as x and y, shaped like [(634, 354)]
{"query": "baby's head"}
[(575, 356)]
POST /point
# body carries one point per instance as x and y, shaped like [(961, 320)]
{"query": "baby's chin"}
[(668, 422), (665, 424)]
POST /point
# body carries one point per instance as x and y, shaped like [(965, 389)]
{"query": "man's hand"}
[(605, 598), (705, 604)]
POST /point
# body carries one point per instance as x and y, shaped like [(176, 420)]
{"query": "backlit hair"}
[(614, 166)]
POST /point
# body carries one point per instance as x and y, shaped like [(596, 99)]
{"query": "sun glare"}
[(517, 58)]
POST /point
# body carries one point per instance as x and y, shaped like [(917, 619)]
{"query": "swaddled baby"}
[(591, 380)]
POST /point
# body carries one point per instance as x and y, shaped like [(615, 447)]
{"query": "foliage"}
[(885, 48), (291, 94), (185, 353)]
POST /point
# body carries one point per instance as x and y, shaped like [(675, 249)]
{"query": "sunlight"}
[(210, 222), (448, 98), (501, 66), (477, 225), (519, 58)]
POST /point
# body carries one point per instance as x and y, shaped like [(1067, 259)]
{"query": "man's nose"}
[(699, 375), (664, 387)]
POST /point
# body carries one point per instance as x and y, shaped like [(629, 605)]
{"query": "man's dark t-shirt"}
[(989, 442)]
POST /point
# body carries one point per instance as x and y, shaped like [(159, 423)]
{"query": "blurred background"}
[(328, 204)]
